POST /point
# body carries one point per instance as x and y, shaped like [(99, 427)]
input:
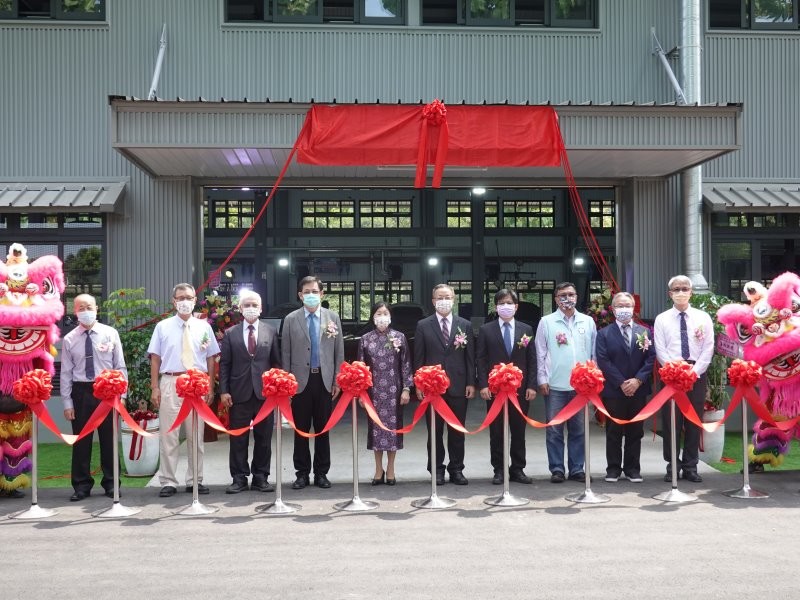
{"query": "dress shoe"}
[(579, 476), (110, 494), (392, 481), (519, 477), (497, 479), (201, 489), (167, 491), (238, 485), (300, 483), (634, 477), (612, 477), (379, 480), (457, 478), (440, 479), (668, 475), (321, 481), (261, 484), (557, 477), (692, 476), (79, 495)]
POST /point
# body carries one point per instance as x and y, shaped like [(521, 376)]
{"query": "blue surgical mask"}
[(311, 300), (623, 314)]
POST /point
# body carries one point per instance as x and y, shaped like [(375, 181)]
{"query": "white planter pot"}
[(140, 453), (712, 443)]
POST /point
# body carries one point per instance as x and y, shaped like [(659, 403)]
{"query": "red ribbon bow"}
[(678, 375), (109, 385), (433, 115), (277, 382), (744, 372), (431, 380), (587, 379), (505, 378), (33, 388), (354, 378)]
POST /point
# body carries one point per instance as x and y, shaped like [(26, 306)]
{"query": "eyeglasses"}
[(182, 298), (681, 289), (564, 296)]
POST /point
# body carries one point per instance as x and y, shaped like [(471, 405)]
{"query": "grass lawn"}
[(55, 464), (733, 450)]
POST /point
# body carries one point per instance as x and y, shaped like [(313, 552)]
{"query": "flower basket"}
[(140, 454)]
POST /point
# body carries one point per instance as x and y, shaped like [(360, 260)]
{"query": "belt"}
[(315, 370), (173, 373), (691, 362)]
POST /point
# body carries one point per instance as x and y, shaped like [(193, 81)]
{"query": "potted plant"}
[(132, 315)]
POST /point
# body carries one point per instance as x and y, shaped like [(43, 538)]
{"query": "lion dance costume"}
[(30, 307), (768, 330)]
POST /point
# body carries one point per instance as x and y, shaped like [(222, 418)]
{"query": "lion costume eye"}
[(795, 304), (48, 288), (743, 333)]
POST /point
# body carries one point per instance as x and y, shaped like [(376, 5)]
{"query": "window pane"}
[(297, 8), (382, 8), (439, 12), (83, 221), (725, 14), (38, 221), (3, 223), (732, 265), (773, 11), (34, 8), (244, 10), (82, 7), (338, 10), (490, 9), (580, 10)]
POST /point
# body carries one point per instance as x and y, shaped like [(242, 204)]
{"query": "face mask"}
[(311, 300), (506, 311), (251, 313), (87, 317), (444, 307), (680, 297), (382, 321), (623, 314), (566, 303), (185, 307)]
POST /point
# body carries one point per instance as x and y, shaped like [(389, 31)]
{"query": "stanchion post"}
[(117, 510), (506, 498), (356, 504), (196, 507), (587, 496), (674, 495), (279, 507), (35, 511), (745, 491), (434, 501)]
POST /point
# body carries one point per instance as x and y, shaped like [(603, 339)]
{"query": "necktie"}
[(684, 338), (251, 340), (89, 352), (445, 331), (507, 338), (313, 333), (626, 335), (187, 356)]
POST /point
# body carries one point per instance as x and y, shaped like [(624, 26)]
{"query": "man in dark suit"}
[(248, 349), (447, 340), (507, 340), (625, 354), (312, 348)]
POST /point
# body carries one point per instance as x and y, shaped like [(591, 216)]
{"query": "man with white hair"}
[(248, 349)]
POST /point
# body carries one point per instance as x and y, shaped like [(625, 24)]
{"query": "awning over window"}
[(752, 197), (50, 197)]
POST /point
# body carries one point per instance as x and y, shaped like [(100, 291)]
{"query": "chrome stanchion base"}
[(34, 512), (434, 501), (356, 505), (587, 496), (196, 508), (279, 507), (117, 511), (506, 499), (746, 492), (675, 495)]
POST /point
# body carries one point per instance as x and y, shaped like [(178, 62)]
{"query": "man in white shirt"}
[(684, 333)]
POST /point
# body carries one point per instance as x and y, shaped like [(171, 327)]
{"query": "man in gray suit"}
[(248, 349), (312, 349)]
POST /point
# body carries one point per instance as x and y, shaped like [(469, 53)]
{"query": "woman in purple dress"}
[(385, 351)]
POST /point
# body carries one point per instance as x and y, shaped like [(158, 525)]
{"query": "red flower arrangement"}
[(744, 373), (587, 379), (505, 377), (109, 385), (33, 387), (431, 380), (219, 313), (354, 378), (678, 374), (193, 384), (278, 383)]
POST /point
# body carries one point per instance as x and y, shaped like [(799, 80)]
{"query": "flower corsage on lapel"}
[(643, 341), (107, 345), (204, 341), (393, 341), (331, 330), (524, 341), (561, 339), (460, 340), (699, 333)]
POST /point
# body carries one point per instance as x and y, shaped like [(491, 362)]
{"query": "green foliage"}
[(717, 371), (132, 315)]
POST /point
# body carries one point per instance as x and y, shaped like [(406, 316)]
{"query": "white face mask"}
[(443, 307), (251, 313), (382, 321), (87, 317), (185, 307), (623, 314)]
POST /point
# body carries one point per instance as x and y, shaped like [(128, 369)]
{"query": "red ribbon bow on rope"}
[(33, 389), (433, 115)]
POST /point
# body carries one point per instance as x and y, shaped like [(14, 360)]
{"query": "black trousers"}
[(691, 433), (312, 406), (240, 415), (84, 403), (624, 456), (455, 439), (516, 427)]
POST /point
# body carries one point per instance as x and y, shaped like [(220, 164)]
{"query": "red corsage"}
[(431, 380), (678, 374), (33, 387), (109, 384), (435, 112), (354, 378), (278, 383), (587, 379), (505, 377), (744, 372), (193, 384)]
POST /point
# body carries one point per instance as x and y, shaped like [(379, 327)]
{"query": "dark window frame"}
[(55, 12), (746, 20), (266, 11), (517, 17)]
